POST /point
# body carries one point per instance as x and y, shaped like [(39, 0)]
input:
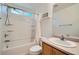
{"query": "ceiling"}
[(39, 7), (59, 6), (32, 7)]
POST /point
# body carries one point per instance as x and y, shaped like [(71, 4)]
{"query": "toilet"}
[(35, 50)]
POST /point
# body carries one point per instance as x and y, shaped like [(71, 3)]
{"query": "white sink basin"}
[(65, 43)]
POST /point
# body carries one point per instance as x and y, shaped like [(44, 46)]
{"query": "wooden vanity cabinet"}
[(49, 50)]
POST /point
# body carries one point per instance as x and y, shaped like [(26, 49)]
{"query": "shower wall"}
[(0, 28), (2, 22), (20, 31)]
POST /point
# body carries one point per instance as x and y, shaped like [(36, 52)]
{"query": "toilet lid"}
[(35, 48)]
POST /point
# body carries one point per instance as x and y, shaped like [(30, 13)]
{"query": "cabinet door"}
[(47, 50), (57, 52)]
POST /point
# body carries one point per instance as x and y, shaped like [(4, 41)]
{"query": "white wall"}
[(65, 16), (46, 24)]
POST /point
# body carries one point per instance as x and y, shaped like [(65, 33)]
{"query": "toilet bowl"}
[(35, 50)]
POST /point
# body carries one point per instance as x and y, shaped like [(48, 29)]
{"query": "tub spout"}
[(62, 37)]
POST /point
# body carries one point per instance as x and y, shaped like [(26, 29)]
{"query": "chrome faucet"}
[(62, 37)]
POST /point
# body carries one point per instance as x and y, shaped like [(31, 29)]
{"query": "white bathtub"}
[(18, 50)]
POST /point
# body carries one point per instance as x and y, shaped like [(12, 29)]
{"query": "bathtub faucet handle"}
[(7, 41), (5, 35)]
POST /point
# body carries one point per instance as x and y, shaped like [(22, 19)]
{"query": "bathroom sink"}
[(64, 43)]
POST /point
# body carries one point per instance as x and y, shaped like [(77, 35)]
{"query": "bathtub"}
[(18, 50)]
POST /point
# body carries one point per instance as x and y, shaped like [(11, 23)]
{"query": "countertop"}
[(70, 51)]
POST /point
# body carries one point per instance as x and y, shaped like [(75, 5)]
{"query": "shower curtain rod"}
[(18, 8)]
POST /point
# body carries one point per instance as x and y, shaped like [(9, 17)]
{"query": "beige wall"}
[(66, 16)]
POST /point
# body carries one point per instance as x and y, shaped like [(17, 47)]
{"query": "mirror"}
[(66, 19)]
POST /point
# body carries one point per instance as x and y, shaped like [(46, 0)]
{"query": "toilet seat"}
[(36, 49)]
